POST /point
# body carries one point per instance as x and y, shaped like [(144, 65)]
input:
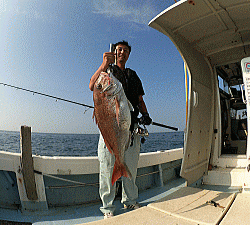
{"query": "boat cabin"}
[(213, 38)]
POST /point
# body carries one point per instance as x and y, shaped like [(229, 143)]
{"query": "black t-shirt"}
[(131, 84)]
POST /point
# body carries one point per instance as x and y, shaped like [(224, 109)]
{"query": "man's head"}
[(123, 50), (125, 43)]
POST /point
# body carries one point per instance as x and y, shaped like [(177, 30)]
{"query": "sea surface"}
[(47, 144)]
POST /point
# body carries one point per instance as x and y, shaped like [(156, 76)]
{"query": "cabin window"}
[(223, 85)]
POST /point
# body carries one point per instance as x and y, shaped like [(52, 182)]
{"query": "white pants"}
[(129, 188)]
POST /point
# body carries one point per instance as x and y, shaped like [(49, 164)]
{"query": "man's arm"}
[(108, 58), (145, 119), (142, 105)]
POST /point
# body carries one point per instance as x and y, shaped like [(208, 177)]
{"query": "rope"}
[(67, 180), (88, 184), (50, 96)]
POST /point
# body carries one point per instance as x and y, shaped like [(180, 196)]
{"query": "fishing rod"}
[(77, 103), (165, 126), (50, 96), (158, 124)]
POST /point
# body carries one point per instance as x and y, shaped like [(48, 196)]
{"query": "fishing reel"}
[(142, 132)]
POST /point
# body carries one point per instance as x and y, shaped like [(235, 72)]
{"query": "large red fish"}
[(112, 114)]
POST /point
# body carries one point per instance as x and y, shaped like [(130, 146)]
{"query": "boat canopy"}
[(219, 30)]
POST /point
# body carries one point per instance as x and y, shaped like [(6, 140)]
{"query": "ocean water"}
[(47, 144)]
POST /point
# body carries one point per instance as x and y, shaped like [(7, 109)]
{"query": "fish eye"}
[(98, 86)]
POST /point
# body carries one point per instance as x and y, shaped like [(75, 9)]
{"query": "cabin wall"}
[(199, 130)]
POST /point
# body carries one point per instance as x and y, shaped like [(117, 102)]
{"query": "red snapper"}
[(112, 115)]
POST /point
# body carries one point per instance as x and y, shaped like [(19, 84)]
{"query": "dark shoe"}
[(133, 206)]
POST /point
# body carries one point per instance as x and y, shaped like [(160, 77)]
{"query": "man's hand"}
[(145, 119), (108, 58)]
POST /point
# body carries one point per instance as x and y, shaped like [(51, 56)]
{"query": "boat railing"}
[(36, 176)]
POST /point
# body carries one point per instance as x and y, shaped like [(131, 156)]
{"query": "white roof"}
[(218, 29)]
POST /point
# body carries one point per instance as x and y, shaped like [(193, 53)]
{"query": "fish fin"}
[(130, 106), (119, 171), (94, 117), (117, 109)]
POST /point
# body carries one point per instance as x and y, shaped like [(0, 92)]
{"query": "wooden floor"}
[(145, 216), (238, 213), (187, 206), (172, 204)]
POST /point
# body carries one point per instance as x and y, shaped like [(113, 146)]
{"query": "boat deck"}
[(86, 213), (206, 214), (171, 204), (191, 206)]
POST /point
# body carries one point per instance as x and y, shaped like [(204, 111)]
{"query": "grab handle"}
[(242, 92), (195, 103)]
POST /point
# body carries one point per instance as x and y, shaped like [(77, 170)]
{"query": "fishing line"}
[(50, 96)]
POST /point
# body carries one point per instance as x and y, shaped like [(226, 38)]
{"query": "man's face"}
[(122, 53)]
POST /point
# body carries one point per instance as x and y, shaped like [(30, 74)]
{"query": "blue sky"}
[(54, 47)]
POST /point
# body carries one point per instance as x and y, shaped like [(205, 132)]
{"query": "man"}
[(134, 92)]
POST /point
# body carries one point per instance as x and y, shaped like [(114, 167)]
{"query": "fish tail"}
[(119, 171)]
